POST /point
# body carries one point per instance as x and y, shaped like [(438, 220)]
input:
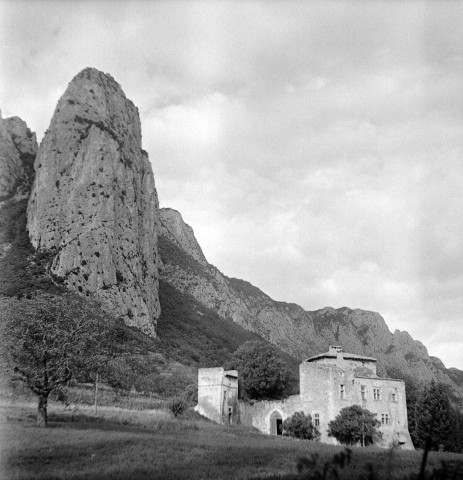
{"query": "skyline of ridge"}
[(316, 152)]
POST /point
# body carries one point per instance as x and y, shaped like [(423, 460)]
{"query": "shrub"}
[(300, 425), (178, 405), (353, 425)]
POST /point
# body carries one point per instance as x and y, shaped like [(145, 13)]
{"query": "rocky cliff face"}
[(179, 233), (94, 202), (298, 332), (18, 147)]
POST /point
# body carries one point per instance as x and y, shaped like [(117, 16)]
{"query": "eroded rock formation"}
[(18, 147), (94, 201)]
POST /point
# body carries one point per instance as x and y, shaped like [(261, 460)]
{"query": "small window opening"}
[(363, 392)]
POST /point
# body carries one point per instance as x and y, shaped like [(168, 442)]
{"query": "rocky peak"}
[(94, 201), (24, 140), (18, 147), (181, 234)]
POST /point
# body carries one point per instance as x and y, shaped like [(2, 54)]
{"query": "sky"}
[(314, 147)]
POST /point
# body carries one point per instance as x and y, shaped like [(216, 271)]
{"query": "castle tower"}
[(218, 394)]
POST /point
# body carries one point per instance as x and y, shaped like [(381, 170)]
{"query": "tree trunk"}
[(42, 417), (96, 393)]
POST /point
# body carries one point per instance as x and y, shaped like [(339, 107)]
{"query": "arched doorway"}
[(276, 424)]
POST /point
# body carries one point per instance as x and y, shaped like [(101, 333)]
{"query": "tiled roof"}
[(347, 356)]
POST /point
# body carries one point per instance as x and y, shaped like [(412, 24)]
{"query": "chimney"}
[(337, 350)]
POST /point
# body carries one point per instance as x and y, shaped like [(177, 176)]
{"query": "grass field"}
[(124, 444)]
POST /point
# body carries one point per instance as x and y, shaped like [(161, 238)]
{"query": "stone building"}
[(328, 382), (218, 394)]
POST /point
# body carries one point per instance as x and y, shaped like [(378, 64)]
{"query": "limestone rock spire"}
[(94, 201)]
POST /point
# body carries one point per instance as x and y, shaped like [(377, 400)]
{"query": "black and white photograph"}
[(231, 239)]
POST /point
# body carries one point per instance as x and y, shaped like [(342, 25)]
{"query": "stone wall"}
[(261, 415), (218, 394), (325, 389)]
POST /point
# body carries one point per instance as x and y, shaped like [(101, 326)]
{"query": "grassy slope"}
[(124, 446)]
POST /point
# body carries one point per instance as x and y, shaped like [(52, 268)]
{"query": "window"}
[(394, 397), (342, 392), (384, 419), (376, 394), (363, 392), (316, 419)]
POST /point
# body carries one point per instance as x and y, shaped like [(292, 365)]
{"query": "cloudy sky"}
[(315, 148)]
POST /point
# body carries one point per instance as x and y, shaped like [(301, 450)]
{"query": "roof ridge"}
[(346, 355)]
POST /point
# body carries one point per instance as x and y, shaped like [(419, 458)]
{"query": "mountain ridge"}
[(296, 331), (94, 122)]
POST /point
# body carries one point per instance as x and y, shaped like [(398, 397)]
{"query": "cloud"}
[(315, 149)]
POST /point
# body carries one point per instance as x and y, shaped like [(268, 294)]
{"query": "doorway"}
[(276, 424)]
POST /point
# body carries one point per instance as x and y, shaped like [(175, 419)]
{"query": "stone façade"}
[(328, 383)]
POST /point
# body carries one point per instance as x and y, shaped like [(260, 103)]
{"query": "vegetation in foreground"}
[(119, 444)]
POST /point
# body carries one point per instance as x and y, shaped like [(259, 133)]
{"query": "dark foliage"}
[(434, 418), (415, 393), (300, 425), (262, 372), (354, 425), (23, 271), (178, 405)]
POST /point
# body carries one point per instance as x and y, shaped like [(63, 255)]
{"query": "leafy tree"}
[(354, 425), (413, 394), (300, 425), (455, 438), (434, 417), (262, 373), (128, 370), (48, 340)]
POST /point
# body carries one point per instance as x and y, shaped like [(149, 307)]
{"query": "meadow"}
[(150, 444)]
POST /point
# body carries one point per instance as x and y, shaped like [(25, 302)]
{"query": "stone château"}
[(328, 383)]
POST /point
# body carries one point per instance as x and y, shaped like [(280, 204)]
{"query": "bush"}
[(178, 405), (300, 425), (353, 425)]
